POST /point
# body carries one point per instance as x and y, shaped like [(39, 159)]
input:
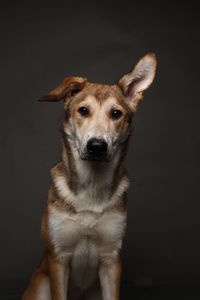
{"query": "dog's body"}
[(84, 220)]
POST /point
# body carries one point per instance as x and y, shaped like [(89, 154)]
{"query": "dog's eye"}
[(116, 114), (83, 111)]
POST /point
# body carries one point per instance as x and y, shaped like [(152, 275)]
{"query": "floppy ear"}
[(69, 87), (139, 79)]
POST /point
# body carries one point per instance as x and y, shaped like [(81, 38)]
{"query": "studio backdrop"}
[(41, 43)]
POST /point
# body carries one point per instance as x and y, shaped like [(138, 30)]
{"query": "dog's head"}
[(98, 116)]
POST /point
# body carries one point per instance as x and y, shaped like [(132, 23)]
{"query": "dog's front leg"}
[(59, 275), (110, 275)]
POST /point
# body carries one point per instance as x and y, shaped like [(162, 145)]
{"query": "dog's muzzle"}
[(97, 149)]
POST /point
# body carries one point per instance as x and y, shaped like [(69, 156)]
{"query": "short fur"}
[(84, 221)]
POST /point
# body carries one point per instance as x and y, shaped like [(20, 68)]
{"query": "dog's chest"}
[(85, 237), (103, 230)]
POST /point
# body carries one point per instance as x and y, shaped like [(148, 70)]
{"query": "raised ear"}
[(69, 87), (139, 79)]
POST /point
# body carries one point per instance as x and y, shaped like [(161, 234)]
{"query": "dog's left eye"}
[(115, 114), (83, 111)]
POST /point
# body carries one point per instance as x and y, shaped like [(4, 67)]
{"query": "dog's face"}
[(98, 117), (98, 121)]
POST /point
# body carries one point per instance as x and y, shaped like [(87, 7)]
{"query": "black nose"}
[(96, 147)]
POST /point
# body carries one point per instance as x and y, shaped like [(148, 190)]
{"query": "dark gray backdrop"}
[(41, 43)]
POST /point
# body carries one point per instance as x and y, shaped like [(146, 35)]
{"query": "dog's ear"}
[(69, 87), (139, 79)]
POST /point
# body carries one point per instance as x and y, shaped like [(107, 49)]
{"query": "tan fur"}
[(84, 221)]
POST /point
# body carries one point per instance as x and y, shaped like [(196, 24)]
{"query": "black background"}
[(41, 43)]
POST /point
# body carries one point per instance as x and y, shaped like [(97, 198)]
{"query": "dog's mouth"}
[(101, 158)]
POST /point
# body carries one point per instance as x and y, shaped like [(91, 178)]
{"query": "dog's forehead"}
[(101, 92)]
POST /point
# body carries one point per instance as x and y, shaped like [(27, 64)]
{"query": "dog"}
[(84, 221)]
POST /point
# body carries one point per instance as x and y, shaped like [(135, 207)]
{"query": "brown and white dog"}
[(84, 221)]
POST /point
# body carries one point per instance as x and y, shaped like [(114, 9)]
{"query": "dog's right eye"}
[(83, 111)]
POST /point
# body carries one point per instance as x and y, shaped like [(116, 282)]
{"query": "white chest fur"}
[(85, 237), (67, 230)]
